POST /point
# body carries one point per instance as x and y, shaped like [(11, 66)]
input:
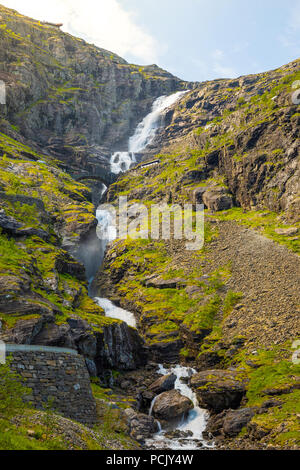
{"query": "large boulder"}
[(218, 390), (163, 384), (236, 420), (229, 423), (217, 199), (171, 405), (145, 399)]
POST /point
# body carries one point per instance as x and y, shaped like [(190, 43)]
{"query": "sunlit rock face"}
[(75, 100)]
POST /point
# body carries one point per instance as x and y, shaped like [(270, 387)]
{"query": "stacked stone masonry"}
[(59, 377)]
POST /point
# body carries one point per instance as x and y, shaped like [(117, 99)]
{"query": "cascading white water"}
[(106, 229), (144, 133), (115, 312), (152, 405), (195, 422), (120, 162), (107, 233)]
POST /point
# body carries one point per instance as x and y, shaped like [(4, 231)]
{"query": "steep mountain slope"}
[(66, 101), (244, 130), (76, 101), (232, 145), (43, 289)]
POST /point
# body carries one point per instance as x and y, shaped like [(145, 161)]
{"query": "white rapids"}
[(108, 233), (106, 229), (121, 162), (144, 133), (195, 421), (116, 312)]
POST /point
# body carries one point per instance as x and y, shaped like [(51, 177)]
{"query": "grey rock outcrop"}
[(171, 406), (163, 384), (141, 426), (72, 98), (218, 390)]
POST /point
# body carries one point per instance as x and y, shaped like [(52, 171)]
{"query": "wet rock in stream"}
[(171, 405)]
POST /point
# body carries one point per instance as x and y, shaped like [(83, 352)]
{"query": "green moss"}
[(204, 317), (272, 374), (231, 299), (13, 259), (161, 328)]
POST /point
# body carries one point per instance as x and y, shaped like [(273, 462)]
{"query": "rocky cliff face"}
[(232, 145), (230, 307), (74, 100), (241, 134), (44, 300), (68, 105)]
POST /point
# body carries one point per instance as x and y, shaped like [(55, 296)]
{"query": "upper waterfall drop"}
[(144, 133), (120, 162)]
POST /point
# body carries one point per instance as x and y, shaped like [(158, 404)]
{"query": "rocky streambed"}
[(167, 414), (171, 417)]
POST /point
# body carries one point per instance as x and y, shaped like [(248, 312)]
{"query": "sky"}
[(195, 40)]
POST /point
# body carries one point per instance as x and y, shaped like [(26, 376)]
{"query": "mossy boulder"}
[(218, 390)]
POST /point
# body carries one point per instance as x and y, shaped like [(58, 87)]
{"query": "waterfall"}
[(195, 422), (150, 413), (144, 133), (115, 312), (121, 162), (152, 405)]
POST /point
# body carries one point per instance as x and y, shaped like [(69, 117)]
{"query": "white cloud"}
[(225, 71), (294, 22), (289, 38), (218, 54), (104, 23)]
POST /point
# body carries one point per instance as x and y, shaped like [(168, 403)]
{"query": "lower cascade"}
[(115, 312), (190, 430)]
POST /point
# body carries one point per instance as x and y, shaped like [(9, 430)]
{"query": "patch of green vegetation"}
[(169, 306), (15, 437), (231, 299), (274, 375), (161, 328), (13, 259), (12, 436), (204, 317)]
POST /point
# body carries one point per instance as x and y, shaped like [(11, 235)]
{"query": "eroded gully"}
[(188, 433)]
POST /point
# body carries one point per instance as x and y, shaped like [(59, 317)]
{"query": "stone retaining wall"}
[(55, 374)]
